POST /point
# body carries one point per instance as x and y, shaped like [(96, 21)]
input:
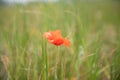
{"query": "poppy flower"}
[(56, 38)]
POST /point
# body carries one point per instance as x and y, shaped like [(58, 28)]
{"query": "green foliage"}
[(92, 29)]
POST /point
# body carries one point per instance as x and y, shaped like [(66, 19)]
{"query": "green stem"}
[(61, 67), (56, 67), (45, 61), (59, 61)]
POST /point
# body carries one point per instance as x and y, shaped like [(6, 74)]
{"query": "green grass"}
[(93, 30)]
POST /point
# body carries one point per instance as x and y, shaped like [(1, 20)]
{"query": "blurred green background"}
[(93, 27)]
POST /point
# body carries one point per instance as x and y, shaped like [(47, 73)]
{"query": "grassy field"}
[(92, 28)]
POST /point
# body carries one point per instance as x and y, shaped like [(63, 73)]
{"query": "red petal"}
[(58, 42), (66, 42), (48, 35)]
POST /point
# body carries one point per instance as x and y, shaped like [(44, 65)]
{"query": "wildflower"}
[(56, 38)]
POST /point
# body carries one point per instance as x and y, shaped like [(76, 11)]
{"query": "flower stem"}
[(45, 61), (56, 64), (59, 69)]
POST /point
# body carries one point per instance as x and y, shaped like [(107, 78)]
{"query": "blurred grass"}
[(93, 29)]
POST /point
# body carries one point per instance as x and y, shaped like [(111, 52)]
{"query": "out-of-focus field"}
[(92, 28)]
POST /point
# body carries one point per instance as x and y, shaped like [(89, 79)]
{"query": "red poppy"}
[(56, 38)]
